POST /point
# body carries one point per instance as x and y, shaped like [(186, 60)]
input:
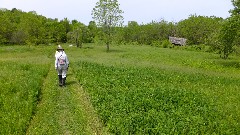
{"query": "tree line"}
[(19, 27), (28, 27)]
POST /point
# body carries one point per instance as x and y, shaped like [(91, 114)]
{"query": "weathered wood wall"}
[(178, 41)]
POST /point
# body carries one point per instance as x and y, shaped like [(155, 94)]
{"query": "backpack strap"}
[(58, 58)]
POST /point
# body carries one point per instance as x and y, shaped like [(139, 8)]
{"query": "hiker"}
[(61, 65), (57, 51)]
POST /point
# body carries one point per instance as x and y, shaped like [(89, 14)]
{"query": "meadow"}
[(147, 90), (22, 73), (31, 102), (133, 89)]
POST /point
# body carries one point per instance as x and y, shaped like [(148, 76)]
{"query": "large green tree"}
[(236, 10), (197, 29), (92, 32), (7, 26), (230, 33), (78, 33), (108, 15)]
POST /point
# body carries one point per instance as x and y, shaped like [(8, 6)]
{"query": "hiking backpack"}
[(62, 60)]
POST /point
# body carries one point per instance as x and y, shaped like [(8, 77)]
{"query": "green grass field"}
[(31, 101), (132, 90)]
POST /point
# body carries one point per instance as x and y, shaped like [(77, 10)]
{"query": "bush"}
[(166, 44), (156, 43), (236, 50)]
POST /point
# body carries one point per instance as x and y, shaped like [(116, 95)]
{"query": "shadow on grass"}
[(69, 74), (227, 63), (88, 47), (70, 82), (114, 51)]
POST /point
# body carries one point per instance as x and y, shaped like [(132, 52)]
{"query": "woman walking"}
[(61, 65)]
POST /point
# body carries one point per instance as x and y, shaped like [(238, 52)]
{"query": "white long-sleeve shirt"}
[(57, 56)]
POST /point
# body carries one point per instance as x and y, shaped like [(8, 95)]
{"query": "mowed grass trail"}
[(63, 110), (31, 102)]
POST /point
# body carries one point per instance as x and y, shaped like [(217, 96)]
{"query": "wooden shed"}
[(177, 41)]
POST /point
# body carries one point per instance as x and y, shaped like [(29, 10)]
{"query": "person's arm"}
[(67, 61), (56, 53), (56, 61)]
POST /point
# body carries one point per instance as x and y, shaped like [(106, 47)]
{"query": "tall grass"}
[(144, 90), (135, 90), (148, 101), (59, 111), (21, 78), (31, 102), (20, 87)]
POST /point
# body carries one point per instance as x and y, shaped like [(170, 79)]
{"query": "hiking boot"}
[(64, 82), (60, 80)]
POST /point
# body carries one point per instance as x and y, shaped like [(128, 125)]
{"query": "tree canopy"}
[(107, 15), (229, 35)]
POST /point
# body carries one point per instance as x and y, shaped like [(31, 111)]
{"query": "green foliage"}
[(92, 27), (20, 90), (107, 15), (148, 34), (236, 10), (30, 28), (31, 102), (229, 36), (202, 48), (166, 44), (149, 101), (7, 28), (123, 85), (197, 29), (230, 32), (131, 32), (23, 70), (78, 34), (59, 110), (156, 43), (163, 44), (135, 89)]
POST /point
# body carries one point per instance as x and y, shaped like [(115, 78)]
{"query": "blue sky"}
[(142, 11)]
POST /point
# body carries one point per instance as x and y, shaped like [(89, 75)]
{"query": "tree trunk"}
[(108, 39), (77, 43), (107, 47)]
